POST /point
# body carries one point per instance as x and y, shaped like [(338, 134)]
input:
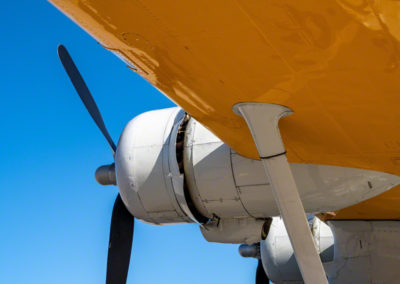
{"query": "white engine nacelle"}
[(278, 257), (148, 174), (171, 169)]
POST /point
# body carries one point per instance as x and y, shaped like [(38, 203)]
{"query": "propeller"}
[(120, 244), (84, 93), (253, 251), (122, 222), (261, 276)]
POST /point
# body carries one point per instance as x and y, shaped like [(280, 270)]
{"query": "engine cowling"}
[(171, 169), (148, 175), (277, 254)]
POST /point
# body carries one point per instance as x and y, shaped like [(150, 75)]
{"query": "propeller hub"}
[(253, 250), (105, 175)]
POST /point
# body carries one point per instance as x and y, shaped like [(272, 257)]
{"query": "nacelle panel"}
[(277, 254), (171, 169)]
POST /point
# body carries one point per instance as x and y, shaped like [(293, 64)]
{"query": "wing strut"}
[(262, 120)]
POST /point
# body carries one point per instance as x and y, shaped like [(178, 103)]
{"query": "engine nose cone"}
[(253, 250), (105, 175)]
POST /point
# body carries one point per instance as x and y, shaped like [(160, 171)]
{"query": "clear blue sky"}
[(54, 217)]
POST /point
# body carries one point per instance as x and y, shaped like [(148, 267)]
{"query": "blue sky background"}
[(54, 217)]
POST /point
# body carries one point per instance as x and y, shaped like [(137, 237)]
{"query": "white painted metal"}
[(278, 256), (262, 120), (226, 184), (233, 230), (223, 183), (177, 178), (208, 170), (147, 173), (365, 252), (323, 239), (220, 182)]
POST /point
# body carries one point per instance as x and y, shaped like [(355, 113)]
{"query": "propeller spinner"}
[(122, 222)]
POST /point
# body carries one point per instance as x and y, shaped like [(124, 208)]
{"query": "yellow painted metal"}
[(335, 63)]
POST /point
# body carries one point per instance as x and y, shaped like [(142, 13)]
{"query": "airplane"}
[(286, 139)]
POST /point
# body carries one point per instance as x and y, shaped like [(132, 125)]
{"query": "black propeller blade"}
[(261, 276), (120, 245), (84, 93), (122, 222)]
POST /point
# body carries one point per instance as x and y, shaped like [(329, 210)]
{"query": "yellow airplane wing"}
[(335, 63)]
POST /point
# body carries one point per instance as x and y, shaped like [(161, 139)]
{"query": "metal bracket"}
[(262, 120)]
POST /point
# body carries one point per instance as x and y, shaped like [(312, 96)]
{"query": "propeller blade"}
[(120, 244), (261, 276), (83, 92)]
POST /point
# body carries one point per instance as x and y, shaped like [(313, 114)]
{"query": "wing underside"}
[(335, 63)]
